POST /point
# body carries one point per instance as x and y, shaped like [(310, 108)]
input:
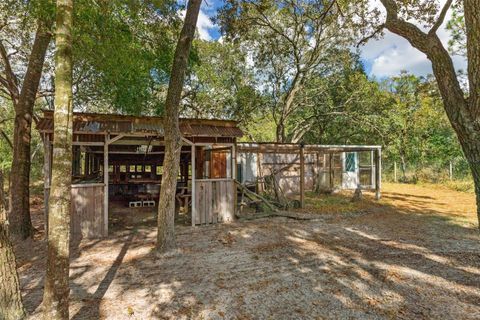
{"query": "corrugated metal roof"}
[(101, 123), (148, 127)]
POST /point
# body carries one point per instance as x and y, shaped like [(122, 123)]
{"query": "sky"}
[(382, 58)]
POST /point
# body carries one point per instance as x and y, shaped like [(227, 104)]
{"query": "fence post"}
[(378, 172), (450, 171), (395, 171), (302, 177)]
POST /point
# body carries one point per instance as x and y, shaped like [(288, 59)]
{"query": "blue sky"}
[(382, 58)]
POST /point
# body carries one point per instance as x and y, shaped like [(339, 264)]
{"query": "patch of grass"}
[(460, 185), (329, 203)]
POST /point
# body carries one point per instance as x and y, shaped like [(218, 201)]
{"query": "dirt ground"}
[(413, 255)]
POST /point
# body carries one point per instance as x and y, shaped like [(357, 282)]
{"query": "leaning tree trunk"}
[(11, 306), (55, 298), (280, 131), (19, 213), (173, 142), (471, 149)]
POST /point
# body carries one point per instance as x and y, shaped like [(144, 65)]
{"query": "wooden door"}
[(218, 165)]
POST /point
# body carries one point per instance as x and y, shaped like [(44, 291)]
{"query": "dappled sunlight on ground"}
[(410, 198), (406, 257)]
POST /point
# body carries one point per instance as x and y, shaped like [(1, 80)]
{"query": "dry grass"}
[(413, 255), (432, 200)]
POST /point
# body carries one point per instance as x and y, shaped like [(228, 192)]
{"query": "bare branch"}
[(3, 81), (441, 17), (378, 30), (10, 77), (7, 139)]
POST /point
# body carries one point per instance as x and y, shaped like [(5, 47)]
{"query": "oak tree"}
[(11, 305), (173, 138), (56, 293), (23, 94)]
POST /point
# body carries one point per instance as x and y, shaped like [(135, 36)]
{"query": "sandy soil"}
[(413, 255)]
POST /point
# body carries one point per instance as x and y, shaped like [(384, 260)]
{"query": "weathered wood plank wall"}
[(88, 219), (214, 200)]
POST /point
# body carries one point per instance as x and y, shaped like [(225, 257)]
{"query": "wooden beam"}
[(234, 162), (293, 148), (105, 181), (188, 142), (88, 143), (234, 177), (194, 209), (116, 138), (135, 152), (46, 178), (330, 172), (137, 142), (378, 173), (372, 168), (261, 183), (302, 177)]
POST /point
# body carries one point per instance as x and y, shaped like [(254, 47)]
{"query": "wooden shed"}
[(120, 158), (300, 167)]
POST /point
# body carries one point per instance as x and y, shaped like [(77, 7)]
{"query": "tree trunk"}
[(55, 298), (3, 197), (472, 23), (173, 142), (280, 131), (403, 166), (11, 306), (19, 213), (471, 149)]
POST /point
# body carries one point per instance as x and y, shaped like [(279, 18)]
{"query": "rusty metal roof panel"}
[(210, 130), (93, 123), (100, 126), (148, 127)]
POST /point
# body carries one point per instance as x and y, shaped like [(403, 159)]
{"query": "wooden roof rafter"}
[(274, 147)]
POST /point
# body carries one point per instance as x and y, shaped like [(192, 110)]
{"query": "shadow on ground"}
[(388, 261)]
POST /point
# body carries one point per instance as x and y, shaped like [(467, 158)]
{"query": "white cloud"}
[(392, 54), (204, 25)]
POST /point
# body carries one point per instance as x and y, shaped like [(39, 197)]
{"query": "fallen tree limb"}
[(283, 214), (250, 194)]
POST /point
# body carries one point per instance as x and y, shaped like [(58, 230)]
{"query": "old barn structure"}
[(131, 150), (117, 162)]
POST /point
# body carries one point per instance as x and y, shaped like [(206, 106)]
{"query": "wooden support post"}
[(193, 186), (87, 162), (450, 170), (234, 177), (330, 172), (234, 162), (372, 169), (47, 164), (105, 181), (395, 171), (302, 177), (378, 172), (316, 175), (260, 173), (324, 170)]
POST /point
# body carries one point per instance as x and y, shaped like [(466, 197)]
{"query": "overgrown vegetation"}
[(122, 66), (285, 69)]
